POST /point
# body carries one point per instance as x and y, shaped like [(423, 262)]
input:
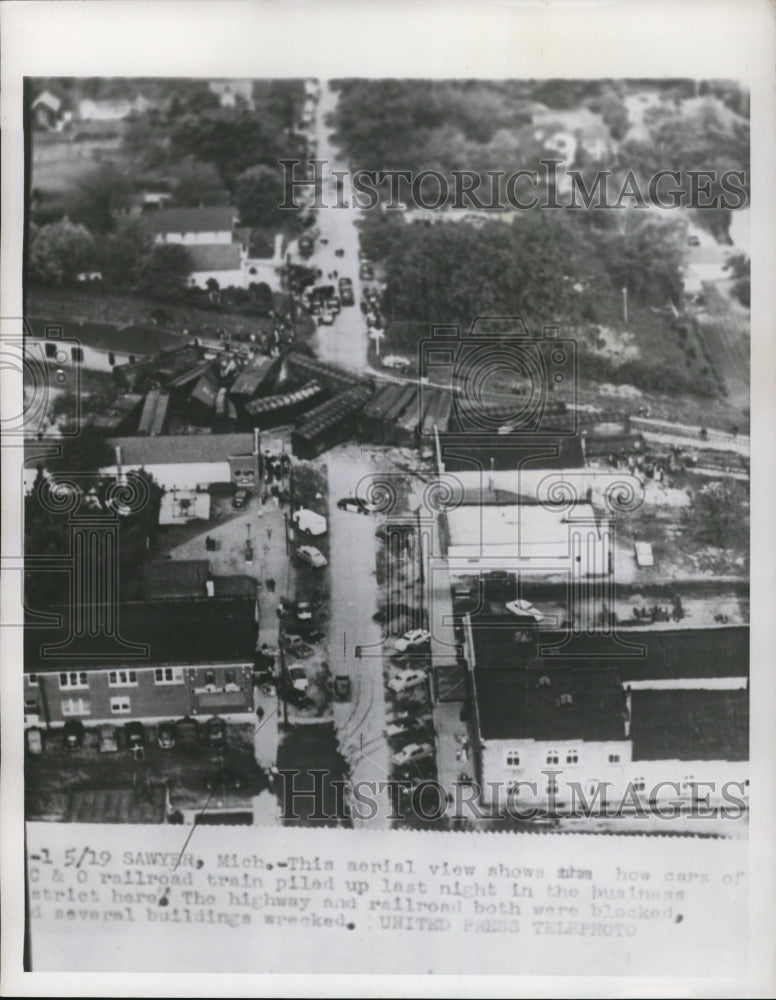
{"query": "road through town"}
[(354, 600)]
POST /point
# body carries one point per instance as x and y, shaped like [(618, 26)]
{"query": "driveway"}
[(354, 600)]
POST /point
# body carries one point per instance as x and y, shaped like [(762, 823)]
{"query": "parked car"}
[(165, 736), (354, 505), (413, 639), (407, 725), (240, 499), (693, 241), (326, 318), (135, 734), (73, 734), (333, 305), (295, 644), (525, 609), (298, 677), (303, 611), (347, 297), (406, 679), (312, 556), (34, 741), (366, 272), (108, 742), (411, 753), (310, 633), (187, 733), (305, 245), (396, 361), (339, 252), (308, 522), (342, 688), (215, 733)]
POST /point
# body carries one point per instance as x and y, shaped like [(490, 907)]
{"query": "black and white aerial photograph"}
[(384, 472), (392, 429)]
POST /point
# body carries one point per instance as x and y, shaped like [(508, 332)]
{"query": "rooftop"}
[(215, 257), (668, 653), (690, 725), (143, 341), (175, 578), (520, 704), (523, 531), (180, 449), (187, 630), (213, 219)]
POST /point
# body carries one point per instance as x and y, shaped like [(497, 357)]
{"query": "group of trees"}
[(127, 257)]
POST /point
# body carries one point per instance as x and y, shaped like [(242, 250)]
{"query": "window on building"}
[(513, 759), (688, 782), (552, 786), (111, 358), (229, 677), (74, 679), (31, 706), (614, 758), (77, 354), (572, 757), (210, 677), (122, 678), (132, 359), (168, 675), (32, 680), (120, 705), (639, 785), (552, 757), (513, 789), (75, 706), (51, 350)]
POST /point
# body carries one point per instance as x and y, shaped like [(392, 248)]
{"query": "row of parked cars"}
[(185, 733), (410, 727)]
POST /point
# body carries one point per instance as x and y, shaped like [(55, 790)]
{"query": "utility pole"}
[(625, 305)]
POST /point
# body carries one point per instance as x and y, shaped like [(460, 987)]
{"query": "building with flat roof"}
[(166, 658), (527, 539), (548, 729)]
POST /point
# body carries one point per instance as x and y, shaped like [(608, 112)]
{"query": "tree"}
[(124, 252), (164, 273), (101, 196), (719, 515), (59, 251), (258, 194), (197, 183)]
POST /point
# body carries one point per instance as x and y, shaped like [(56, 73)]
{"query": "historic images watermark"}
[(428, 801), (500, 190)]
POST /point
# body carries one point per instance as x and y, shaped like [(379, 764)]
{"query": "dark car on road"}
[(342, 688), (354, 505), (215, 732), (165, 736), (346, 292), (366, 272), (73, 734), (240, 499), (135, 733), (187, 733)]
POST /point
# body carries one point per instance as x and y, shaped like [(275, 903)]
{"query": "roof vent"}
[(544, 681), (566, 699)]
